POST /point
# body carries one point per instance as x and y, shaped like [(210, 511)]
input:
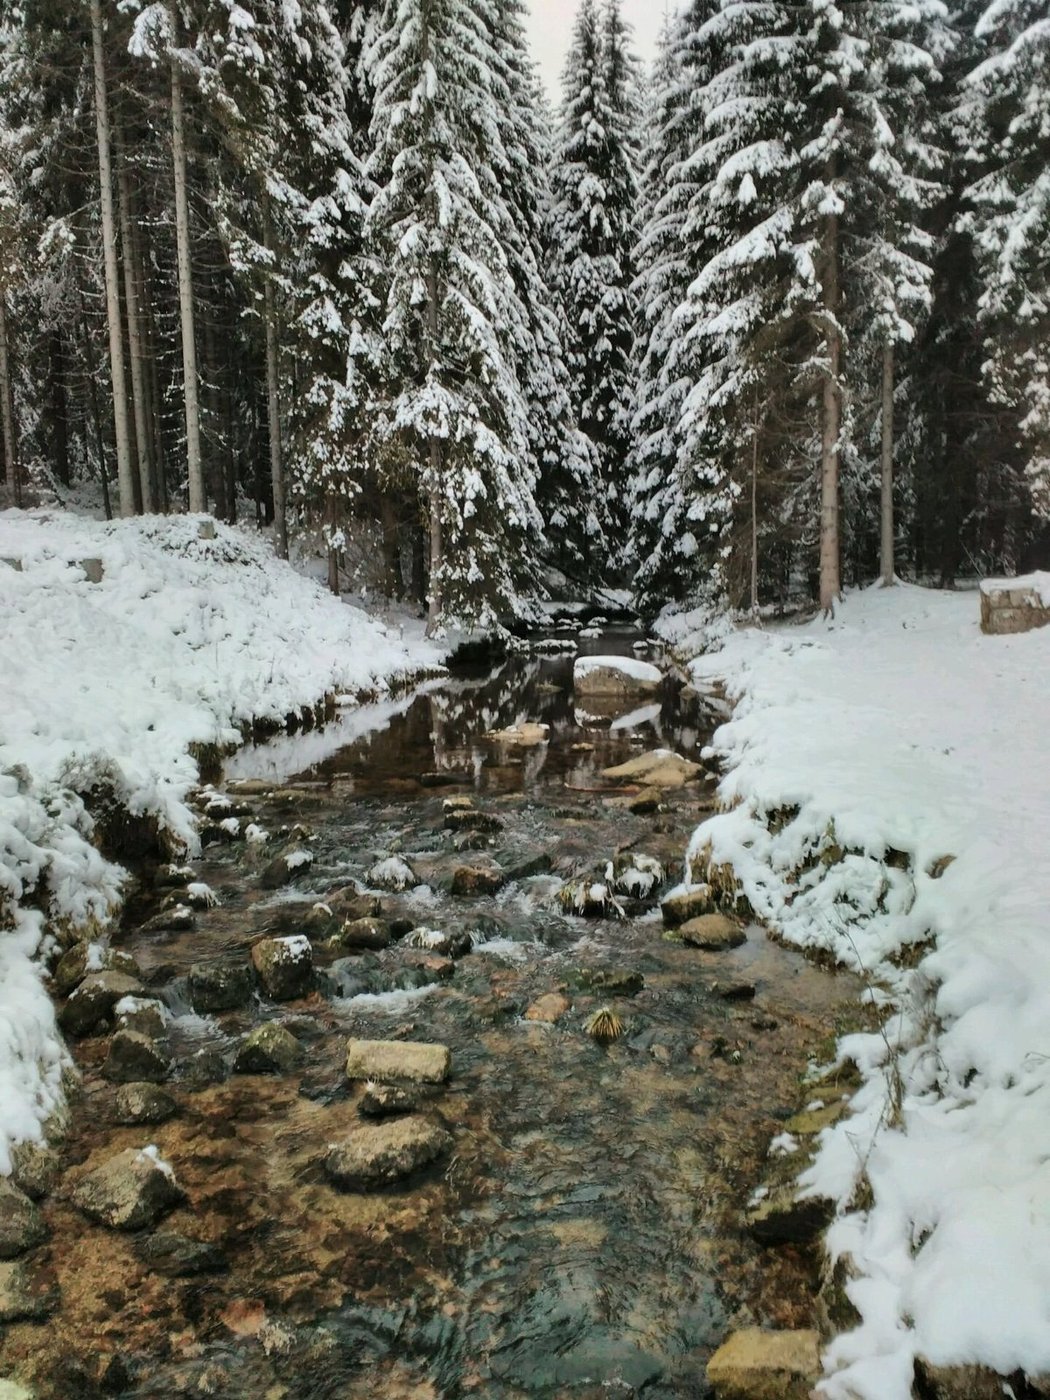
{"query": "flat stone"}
[(613, 981), (268, 1049), (364, 933), (757, 1365), (134, 1056), (285, 966), (526, 736), (22, 1226), (21, 1298), (385, 1152), (177, 1256), (477, 879), (549, 1008), (224, 985), (419, 1062), (87, 957), (714, 933), (129, 1192), (678, 909), (661, 768), (959, 1382), (782, 1218), (144, 1103), (91, 1005)]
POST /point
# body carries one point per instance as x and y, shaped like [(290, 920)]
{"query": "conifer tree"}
[(452, 317)]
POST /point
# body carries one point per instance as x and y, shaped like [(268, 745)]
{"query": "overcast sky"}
[(551, 24)]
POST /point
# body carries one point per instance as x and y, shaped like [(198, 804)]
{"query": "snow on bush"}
[(861, 756), (103, 688)]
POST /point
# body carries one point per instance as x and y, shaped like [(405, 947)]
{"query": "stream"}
[(581, 1237)]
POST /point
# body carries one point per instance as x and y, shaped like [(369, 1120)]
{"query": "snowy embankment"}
[(861, 755), (103, 687)]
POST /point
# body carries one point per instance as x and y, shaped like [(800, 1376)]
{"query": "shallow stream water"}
[(582, 1239)]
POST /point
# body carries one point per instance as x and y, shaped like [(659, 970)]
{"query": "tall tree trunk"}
[(96, 410), (121, 430), (332, 516), (886, 561), (7, 412), (59, 406), (754, 515), (133, 303), (435, 491), (273, 402), (419, 564), (194, 469), (393, 583), (831, 421)]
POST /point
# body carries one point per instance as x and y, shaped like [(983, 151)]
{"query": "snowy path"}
[(899, 728)]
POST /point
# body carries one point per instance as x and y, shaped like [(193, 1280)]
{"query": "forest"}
[(765, 321)]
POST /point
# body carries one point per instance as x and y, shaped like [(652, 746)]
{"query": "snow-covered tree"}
[(1012, 221), (593, 227), (453, 320)]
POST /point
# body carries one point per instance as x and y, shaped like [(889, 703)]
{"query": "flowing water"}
[(582, 1238)]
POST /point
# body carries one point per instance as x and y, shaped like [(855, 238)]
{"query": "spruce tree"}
[(452, 318), (595, 193)]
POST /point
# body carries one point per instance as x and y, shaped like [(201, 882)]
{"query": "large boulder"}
[(384, 1152), (419, 1062), (86, 957), (757, 1365), (135, 1057), (268, 1049), (129, 1192), (662, 768), (714, 933), (224, 985), (21, 1224), (619, 678), (477, 879), (90, 1007), (367, 934), (284, 966), (692, 903)]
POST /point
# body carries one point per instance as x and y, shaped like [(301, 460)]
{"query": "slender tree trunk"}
[(754, 510), (419, 565), (831, 424), (886, 511), (331, 513), (391, 546), (121, 430), (96, 410), (435, 490), (194, 469), (7, 412), (273, 393), (59, 406), (133, 302)]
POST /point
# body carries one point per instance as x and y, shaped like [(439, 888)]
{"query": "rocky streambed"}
[(417, 1084)]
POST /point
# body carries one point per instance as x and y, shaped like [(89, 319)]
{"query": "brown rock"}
[(134, 1056), (285, 966), (21, 1297), (129, 1192), (21, 1224), (757, 1365), (366, 933), (379, 1154), (73, 966), (678, 909), (782, 1218), (477, 879), (714, 933), (91, 1004), (550, 1007), (419, 1062)]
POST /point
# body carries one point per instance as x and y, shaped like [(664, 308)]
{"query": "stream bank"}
[(576, 1229)]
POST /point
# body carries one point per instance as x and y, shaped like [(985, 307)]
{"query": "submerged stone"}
[(714, 933), (268, 1049), (757, 1365), (386, 1152)]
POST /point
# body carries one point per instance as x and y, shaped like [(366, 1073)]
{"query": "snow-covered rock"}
[(621, 678)]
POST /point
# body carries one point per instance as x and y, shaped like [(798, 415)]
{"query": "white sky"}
[(550, 25)]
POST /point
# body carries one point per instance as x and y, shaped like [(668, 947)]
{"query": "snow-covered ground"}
[(109, 683), (896, 731)]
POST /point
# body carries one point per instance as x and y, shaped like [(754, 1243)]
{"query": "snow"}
[(900, 728), (627, 665), (105, 686)]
